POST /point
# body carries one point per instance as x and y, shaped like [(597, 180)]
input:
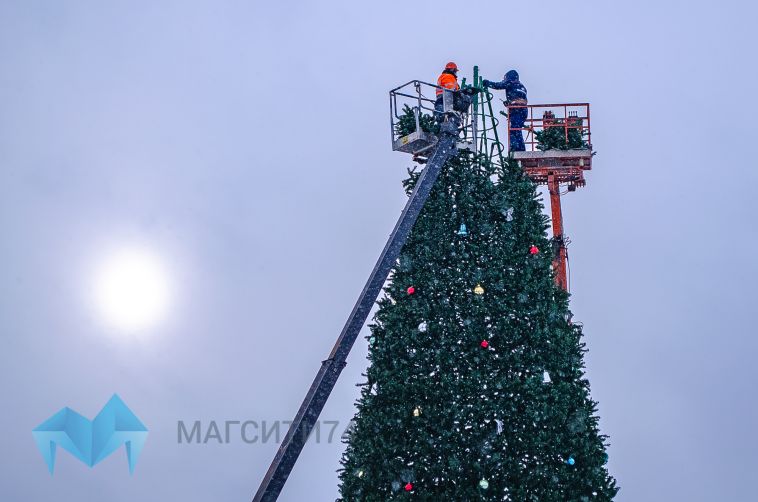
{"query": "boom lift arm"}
[(326, 378)]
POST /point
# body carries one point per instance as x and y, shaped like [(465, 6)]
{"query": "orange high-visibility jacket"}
[(447, 81)]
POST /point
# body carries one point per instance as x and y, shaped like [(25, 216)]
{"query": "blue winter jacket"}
[(514, 89)]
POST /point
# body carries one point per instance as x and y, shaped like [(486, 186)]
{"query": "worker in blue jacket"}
[(515, 94)]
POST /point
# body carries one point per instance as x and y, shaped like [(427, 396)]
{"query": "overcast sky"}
[(246, 144)]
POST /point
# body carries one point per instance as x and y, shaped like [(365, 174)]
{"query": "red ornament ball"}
[(485, 344), (409, 487), (534, 250), (411, 290)]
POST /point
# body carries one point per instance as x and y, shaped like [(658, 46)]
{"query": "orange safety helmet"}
[(451, 66)]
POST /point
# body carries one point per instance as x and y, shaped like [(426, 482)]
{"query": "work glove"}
[(486, 83)]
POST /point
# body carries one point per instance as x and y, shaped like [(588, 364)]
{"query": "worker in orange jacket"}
[(447, 80)]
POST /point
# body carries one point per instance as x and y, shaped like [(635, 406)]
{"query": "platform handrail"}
[(580, 121), (415, 95)]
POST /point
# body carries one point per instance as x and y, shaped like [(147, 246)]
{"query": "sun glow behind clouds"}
[(131, 289)]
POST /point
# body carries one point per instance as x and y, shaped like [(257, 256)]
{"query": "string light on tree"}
[(479, 290)]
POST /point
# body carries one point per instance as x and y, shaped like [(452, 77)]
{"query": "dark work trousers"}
[(516, 119), (438, 108)]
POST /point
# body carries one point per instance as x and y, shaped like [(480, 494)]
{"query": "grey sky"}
[(247, 143)]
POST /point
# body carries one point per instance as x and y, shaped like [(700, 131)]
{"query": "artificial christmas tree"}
[(475, 389)]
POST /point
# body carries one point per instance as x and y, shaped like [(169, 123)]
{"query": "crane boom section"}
[(326, 378)]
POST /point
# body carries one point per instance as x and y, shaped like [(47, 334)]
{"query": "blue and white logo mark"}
[(91, 441)]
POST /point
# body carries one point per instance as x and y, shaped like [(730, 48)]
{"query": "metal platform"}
[(415, 142), (567, 166), (421, 98)]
